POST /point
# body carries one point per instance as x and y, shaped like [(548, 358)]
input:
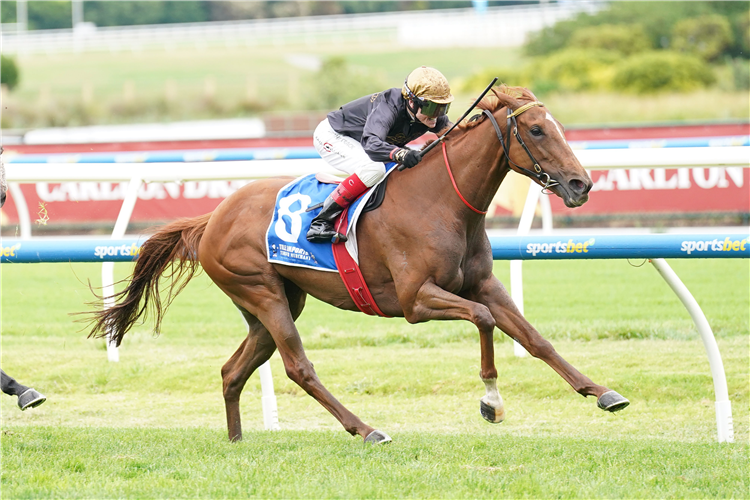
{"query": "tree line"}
[(637, 47), (58, 14)]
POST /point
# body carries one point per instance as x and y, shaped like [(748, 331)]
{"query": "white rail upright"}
[(108, 268), (268, 396), (724, 425), (516, 266)]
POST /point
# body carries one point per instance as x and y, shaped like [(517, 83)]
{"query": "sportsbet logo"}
[(726, 245), (124, 250), (559, 247), (9, 251)]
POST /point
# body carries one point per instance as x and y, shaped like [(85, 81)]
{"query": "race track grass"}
[(153, 424), (197, 463)]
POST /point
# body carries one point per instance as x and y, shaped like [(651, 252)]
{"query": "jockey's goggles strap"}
[(434, 109)]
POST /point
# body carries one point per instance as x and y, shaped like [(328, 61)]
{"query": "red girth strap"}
[(352, 276)]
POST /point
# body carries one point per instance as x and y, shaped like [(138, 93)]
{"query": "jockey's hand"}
[(411, 158)]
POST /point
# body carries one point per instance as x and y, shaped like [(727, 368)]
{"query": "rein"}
[(541, 176), (450, 173)]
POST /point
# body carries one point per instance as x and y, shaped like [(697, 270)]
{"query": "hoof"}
[(30, 399), (378, 437), (612, 402), (491, 414)]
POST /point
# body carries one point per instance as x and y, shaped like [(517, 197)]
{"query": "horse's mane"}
[(501, 96)]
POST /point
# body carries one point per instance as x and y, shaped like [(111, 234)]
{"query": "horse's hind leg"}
[(510, 320), (255, 350), (270, 304), (275, 313)]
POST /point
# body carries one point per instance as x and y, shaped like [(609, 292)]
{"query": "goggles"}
[(429, 109), (433, 109)]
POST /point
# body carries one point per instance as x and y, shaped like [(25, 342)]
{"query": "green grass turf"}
[(195, 463), (153, 424)]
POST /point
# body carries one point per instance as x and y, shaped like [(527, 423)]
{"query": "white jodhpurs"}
[(346, 154)]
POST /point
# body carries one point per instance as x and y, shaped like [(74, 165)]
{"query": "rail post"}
[(108, 268), (724, 425)]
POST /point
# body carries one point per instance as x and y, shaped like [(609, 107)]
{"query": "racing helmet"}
[(428, 89)]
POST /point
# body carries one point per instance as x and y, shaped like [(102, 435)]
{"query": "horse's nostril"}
[(577, 185)]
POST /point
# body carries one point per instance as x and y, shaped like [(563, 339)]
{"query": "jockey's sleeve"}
[(379, 122)]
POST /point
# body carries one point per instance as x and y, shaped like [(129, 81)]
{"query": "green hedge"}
[(619, 38), (705, 36), (572, 69), (657, 19), (663, 70), (337, 83), (8, 72)]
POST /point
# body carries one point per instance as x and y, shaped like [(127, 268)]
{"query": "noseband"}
[(540, 175)]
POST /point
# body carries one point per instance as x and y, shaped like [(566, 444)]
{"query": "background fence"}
[(497, 26)]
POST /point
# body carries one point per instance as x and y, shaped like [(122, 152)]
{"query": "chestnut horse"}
[(424, 254)]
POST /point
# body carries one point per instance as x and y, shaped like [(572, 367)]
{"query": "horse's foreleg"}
[(433, 302), (510, 320), (255, 350)]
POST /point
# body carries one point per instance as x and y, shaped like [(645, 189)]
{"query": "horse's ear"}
[(506, 100), (473, 121)]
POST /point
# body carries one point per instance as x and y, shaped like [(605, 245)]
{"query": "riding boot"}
[(322, 228)]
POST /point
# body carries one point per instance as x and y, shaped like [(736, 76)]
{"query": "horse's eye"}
[(536, 131)]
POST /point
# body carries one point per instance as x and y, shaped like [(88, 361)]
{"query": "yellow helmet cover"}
[(428, 84)]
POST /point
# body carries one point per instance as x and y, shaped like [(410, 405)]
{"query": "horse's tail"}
[(173, 247)]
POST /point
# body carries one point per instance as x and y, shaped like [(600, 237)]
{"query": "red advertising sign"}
[(80, 202), (641, 190), (637, 190)]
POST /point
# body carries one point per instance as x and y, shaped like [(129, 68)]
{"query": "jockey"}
[(360, 137)]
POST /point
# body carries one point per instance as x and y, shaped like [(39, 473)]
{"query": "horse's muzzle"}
[(575, 192)]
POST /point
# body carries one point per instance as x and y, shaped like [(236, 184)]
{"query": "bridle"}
[(540, 175)]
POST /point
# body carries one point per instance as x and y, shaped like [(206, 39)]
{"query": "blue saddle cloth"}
[(286, 239)]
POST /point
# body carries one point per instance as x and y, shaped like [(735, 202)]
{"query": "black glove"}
[(408, 157)]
